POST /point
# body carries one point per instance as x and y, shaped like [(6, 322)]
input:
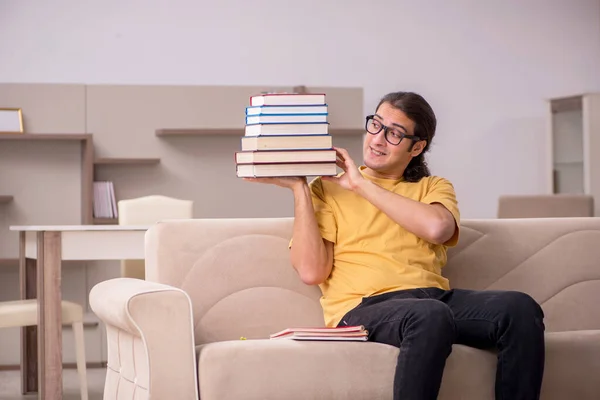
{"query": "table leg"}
[(29, 354), (49, 315)]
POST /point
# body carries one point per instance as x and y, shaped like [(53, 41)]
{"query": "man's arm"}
[(432, 222), (311, 255)]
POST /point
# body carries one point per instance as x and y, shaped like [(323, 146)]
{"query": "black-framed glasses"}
[(393, 135)]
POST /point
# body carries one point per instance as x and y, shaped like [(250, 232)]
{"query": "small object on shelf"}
[(105, 202), (11, 120)]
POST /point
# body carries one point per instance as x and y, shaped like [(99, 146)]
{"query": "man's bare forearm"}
[(308, 253), (430, 222)]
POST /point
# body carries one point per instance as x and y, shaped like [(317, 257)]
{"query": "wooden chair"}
[(546, 206), (21, 313), (149, 210)]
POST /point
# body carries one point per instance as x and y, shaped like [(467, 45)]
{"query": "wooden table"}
[(41, 252)]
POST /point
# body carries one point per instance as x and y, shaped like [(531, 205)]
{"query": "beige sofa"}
[(213, 281)]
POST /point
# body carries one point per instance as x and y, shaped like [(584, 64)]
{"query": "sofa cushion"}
[(287, 369)]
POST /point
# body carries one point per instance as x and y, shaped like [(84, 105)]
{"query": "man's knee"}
[(523, 308), (435, 315)]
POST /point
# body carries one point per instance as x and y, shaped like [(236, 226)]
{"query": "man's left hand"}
[(351, 178)]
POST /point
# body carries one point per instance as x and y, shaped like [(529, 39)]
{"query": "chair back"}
[(149, 210), (546, 206)]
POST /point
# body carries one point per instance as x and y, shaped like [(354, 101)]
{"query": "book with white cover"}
[(287, 156), (278, 170), (290, 99), (287, 129), (275, 110), (285, 119), (286, 142)]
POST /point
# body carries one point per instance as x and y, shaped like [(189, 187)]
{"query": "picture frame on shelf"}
[(11, 120)]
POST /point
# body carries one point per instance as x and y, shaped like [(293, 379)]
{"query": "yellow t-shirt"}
[(372, 254)]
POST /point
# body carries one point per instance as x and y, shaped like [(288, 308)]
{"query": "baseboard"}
[(89, 365)]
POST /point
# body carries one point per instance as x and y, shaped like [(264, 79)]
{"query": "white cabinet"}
[(574, 141)]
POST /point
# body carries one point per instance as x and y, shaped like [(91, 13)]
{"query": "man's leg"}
[(511, 322), (424, 330)]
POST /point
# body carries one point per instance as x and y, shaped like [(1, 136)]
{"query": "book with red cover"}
[(346, 333)]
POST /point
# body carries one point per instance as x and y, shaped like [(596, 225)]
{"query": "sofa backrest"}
[(554, 260), (238, 274)]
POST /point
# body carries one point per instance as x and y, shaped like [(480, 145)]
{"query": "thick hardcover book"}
[(287, 129), (276, 110), (288, 99), (279, 170), (286, 119), (287, 142), (285, 156)]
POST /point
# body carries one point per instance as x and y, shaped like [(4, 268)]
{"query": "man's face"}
[(383, 158)]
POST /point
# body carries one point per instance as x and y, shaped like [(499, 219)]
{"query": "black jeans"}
[(425, 323)]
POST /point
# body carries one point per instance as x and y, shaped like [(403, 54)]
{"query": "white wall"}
[(486, 67)]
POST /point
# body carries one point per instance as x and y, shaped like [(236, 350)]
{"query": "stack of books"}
[(286, 134), (345, 333)]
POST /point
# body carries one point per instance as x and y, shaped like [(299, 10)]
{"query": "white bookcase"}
[(574, 141)]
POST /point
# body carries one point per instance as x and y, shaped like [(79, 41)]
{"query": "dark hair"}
[(420, 112)]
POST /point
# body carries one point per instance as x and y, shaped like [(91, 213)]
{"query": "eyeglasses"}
[(393, 135)]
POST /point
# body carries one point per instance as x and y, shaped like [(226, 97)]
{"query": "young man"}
[(374, 238)]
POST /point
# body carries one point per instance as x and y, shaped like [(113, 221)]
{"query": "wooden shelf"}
[(87, 162), (5, 199), (14, 262), (199, 132), (106, 221), (127, 161), (45, 136), (239, 132), (9, 262)]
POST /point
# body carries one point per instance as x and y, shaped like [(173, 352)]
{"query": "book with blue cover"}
[(287, 110)]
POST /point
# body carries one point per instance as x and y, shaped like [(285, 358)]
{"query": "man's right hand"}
[(291, 182)]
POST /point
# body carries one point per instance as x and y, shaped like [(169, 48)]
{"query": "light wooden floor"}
[(10, 385)]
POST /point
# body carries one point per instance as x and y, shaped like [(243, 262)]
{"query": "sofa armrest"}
[(150, 339)]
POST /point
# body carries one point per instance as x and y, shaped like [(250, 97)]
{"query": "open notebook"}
[(349, 333)]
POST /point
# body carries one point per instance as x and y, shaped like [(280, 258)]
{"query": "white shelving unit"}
[(574, 141)]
